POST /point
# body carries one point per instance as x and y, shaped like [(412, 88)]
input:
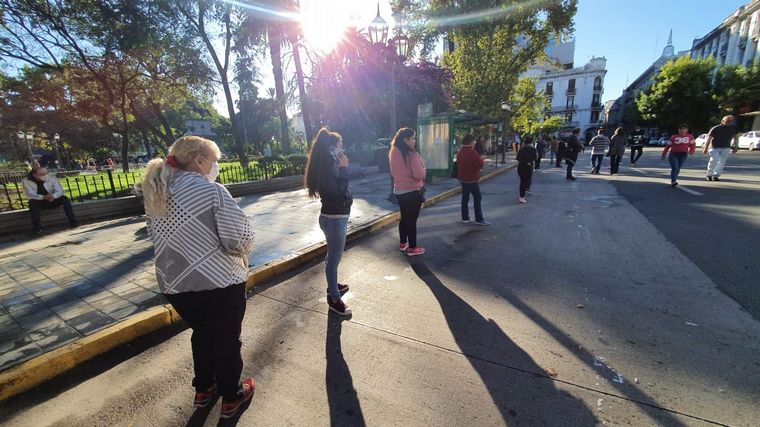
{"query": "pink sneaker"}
[(403, 247), (419, 250), (229, 409)]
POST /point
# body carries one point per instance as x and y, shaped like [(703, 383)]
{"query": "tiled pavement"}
[(68, 284)]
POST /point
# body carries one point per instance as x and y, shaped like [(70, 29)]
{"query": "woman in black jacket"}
[(326, 178), (526, 158)]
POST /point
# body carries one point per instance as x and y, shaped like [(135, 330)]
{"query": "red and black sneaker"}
[(338, 307), (229, 409), (341, 288), (203, 398)]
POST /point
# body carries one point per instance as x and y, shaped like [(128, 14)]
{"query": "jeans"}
[(526, 177), (216, 317), (634, 150), (335, 234), (615, 163), (467, 189), (36, 205), (718, 157), (596, 162), (409, 205), (676, 161)]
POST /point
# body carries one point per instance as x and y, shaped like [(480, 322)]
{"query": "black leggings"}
[(526, 177), (410, 205), (216, 317), (634, 150)]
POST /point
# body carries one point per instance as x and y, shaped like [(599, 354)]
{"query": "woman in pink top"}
[(408, 172)]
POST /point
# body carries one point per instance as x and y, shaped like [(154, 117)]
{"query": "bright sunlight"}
[(324, 21)]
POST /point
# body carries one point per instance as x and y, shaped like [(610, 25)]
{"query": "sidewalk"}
[(67, 285), (512, 324)]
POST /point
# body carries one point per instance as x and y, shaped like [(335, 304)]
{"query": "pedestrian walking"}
[(526, 159), (541, 150), (408, 172), (553, 147), (44, 192), (202, 240), (469, 164), (723, 139), (599, 144), (617, 150), (326, 178), (679, 145), (636, 141), (571, 153)]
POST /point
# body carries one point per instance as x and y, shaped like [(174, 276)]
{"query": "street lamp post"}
[(505, 109), (395, 50), (28, 137)]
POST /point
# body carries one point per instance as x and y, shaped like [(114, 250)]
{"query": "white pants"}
[(718, 157)]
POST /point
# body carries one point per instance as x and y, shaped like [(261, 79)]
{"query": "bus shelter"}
[(438, 137)]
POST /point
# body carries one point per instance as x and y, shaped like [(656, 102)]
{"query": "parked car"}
[(659, 142), (750, 140), (382, 146), (701, 140)]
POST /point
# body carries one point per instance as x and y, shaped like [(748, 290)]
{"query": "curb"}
[(33, 372)]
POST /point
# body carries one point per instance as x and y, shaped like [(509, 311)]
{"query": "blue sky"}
[(632, 33)]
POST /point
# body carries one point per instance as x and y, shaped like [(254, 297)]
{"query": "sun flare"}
[(324, 22)]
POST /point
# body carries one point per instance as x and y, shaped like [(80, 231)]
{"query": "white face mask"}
[(213, 173)]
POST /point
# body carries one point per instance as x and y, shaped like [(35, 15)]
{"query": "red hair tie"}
[(171, 161)]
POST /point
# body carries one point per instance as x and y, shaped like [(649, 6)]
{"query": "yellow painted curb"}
[(51, 364), (46, 366)]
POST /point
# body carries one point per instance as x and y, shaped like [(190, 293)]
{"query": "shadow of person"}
[(345, 409), (517, 385)]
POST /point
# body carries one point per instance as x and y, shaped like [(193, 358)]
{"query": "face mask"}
[(213, 173)]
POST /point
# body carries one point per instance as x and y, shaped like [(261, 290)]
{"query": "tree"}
[(528, 106), (493, 49), (737, 89), (680, 94)]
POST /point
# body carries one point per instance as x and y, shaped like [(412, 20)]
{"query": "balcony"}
[(596, 105), (570, 91)]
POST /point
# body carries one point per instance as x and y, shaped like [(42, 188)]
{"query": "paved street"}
[(585, 306)]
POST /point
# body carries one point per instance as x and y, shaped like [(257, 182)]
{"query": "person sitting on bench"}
[(44, 192)]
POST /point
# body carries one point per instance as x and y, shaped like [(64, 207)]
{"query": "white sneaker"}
[(522, 200), (466, 221)]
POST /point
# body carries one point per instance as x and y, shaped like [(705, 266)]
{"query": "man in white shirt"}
[(44, 192)]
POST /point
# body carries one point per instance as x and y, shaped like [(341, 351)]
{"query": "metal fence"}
[(81, 186)]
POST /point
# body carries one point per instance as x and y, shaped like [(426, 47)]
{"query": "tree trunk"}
[(301, 90), (275, 38)]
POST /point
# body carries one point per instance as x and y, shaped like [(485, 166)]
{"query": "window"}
[(571, 85), (568, 117), (570, 101), (595, 100), (594, 116), (549, 88), (597, 83)]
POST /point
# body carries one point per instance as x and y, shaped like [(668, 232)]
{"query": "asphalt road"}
[(715, 224), (543, 318)]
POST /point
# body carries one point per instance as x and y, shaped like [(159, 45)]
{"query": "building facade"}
[(735, 40), (575, 93)]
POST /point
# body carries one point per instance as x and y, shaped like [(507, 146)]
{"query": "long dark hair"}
[(320, 161), (398, 143)]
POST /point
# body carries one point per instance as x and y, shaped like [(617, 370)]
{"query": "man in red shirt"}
[(469, 164), (679, 145)]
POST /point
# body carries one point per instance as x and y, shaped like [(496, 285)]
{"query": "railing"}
[(81, 186)]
